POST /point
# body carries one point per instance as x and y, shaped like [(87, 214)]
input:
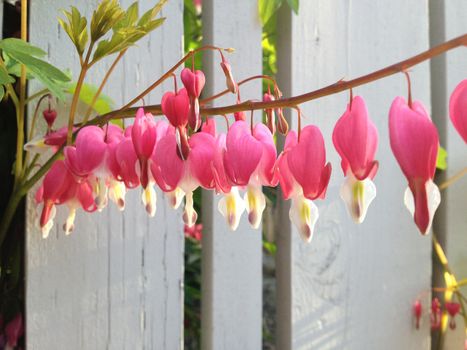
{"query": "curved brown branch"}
[(296, 100)]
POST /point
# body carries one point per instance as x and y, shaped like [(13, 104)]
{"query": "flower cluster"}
[(436, 313), (182, 152)]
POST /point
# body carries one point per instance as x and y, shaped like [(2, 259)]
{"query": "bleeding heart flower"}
[(194, 83), (176, 107), (143, 135), (229, 80), (304, 177), (414, 142), (417, 311), (181, 177), (355, 138), (435, 315), (452, 309), (458, 109)]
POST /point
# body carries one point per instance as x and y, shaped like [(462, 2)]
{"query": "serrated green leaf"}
[(47, 74), (76, 28), (17, 45), (151, 13), (293, 4), (130, 18), (104, 104), (105, 17), (441, 162), (267, 8)]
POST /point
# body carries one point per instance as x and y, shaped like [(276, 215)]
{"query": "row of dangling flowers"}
[(106, 162)]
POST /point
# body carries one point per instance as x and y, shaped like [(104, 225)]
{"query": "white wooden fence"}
[(117, 281)]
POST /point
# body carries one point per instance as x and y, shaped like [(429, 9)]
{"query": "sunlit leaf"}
[(2, 92), (104, 104), (267, 8), (76, 28), (441, 161), (105, 17)]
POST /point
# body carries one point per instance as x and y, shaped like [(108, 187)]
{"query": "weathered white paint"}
[(353, 286), (446, 19), (232, 268), (116, 282)]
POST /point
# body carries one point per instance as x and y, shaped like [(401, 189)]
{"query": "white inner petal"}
[(231, 207), (357, 195), (149, 199), (304, 214), (189, 215), (255, 203)]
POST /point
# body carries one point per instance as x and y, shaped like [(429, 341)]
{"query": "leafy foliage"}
[(128, 30), (17, 52), (104, 18), (267, 8), (76, 28)]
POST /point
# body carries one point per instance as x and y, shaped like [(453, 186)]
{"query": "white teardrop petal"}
[(357, 195)]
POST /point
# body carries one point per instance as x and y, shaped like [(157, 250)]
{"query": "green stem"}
[(101, 87), (36, 95), (74, 102), (10, 211)]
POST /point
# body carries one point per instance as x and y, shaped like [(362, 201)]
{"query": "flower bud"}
[(229, 80), (435, 316), (49, 116), (282, 125), (452, 309), (417, 311)]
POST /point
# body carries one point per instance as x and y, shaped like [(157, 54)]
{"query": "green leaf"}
[(152, 13), (293, 4), (267, 8), (441, 162), (105, 17), (130, 18), (2, 92), (5, 78), (128, 30), (76, 28), (17, 45), (104, 104), (47, 74), (270, 247)]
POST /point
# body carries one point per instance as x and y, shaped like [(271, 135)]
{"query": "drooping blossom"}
[(458, 109), (194, 82), (355, 138), (195, 231), (180, 177), (60, 187), (414, 142), (417, 312), (304, 177), (229, 80), (435, 315), (248, 158), (452, 309)]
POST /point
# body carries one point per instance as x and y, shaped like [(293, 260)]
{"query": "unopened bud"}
[(49, 116), (282, 125), (452, 309), (417, 311), (229, 80), (270, 114)]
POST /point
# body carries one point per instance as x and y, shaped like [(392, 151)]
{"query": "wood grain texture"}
[(116, 282), (446, 19), (353, 286), (232, 261)]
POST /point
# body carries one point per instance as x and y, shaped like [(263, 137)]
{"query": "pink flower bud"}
[(230, 82), (435, 316), (417, 311), (176, 107), (270, 113), (49, 116)]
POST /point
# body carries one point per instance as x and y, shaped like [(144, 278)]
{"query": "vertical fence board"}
[(116, 282), (353, 286), (232, 268), (447, 21)]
